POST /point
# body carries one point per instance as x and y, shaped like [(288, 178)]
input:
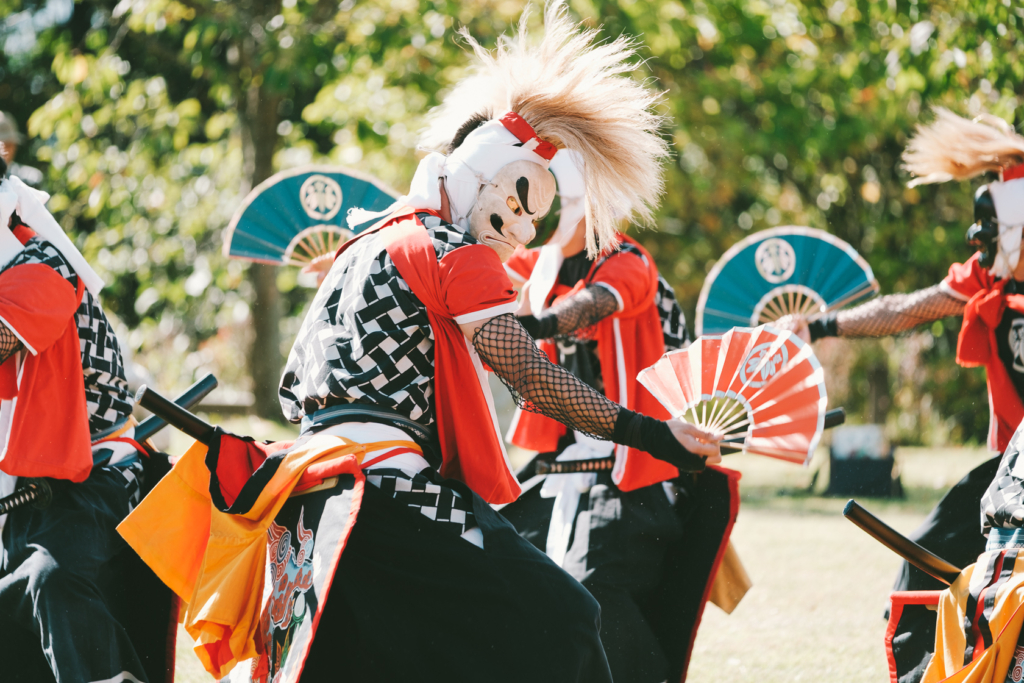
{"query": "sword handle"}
[(193, 395), (175, 415), (37, 492)]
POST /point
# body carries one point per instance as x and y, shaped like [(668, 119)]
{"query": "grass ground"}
[(820, 584)]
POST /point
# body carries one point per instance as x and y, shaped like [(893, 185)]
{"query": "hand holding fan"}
[(761, 385), (778, 272), (297, 217)]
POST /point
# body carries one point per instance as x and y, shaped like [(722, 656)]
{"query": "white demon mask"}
[(519, 194), (1008, 198)]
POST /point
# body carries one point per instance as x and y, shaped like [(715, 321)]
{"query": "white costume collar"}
[(16, 196)]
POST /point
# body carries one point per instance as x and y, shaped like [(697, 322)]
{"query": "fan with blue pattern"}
[(297, 217), (782, 271)]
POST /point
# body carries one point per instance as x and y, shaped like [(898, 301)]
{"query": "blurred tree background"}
[(153, 118)]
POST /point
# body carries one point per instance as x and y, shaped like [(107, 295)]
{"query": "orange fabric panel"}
[(37, 303), (472, 279), (214, 560), (629, 276), (523, 261), (992, 665)]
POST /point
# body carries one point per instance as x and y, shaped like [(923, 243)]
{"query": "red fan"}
[(762, 388)]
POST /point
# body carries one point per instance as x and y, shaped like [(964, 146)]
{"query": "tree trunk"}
[(259, 135), (879, 398)]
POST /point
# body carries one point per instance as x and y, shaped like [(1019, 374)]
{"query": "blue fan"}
[(298, 216), (781, 271)]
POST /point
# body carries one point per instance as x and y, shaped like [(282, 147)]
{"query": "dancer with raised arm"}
[(401, 328), (424, 580), (987, 290)]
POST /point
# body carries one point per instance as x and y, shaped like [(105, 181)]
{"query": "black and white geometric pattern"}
[(366, 337), (673, 322), (1002, 506), (438, 503), (133, 479), (106, 390)]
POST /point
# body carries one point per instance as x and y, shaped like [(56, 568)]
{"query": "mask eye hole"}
[(514, 205)]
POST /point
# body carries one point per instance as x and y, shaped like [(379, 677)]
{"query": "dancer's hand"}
[(696, 440), (795, 323), (321, 265)]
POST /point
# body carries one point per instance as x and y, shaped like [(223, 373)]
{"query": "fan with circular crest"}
[(781, 271), (297, 217)]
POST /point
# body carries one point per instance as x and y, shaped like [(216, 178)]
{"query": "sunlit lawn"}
[(820, 584)]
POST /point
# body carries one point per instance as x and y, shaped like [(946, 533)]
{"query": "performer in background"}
[(65, 415), (988, 290), (10, 140), (434, 583), (604, 319)]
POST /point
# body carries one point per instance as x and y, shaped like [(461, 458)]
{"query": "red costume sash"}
[(976, 346), (49, 429), (468, 281)]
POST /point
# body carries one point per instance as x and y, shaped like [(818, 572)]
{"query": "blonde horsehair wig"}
[(955, 148), (576, 93)]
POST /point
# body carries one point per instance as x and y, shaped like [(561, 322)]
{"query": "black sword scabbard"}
[(920, 557)]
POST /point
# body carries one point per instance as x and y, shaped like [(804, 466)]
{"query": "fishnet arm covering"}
[(586, 307), (9, 343), (895, 313), (537, 384)]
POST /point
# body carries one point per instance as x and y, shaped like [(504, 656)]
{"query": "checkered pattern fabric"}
[(106, 390), (366, 337), (1002, 506), (439, 503), (673, 322), (133, 476)]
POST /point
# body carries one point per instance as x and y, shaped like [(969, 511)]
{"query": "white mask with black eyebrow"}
[(503, 215)]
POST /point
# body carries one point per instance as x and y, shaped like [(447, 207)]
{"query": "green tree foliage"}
[(783, 112)]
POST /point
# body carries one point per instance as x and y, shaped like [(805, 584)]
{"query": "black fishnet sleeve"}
[(9, 343), (889, 314), (538, 385), (576, 313)]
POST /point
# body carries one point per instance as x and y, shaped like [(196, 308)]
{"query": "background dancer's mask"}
[(999, 221)]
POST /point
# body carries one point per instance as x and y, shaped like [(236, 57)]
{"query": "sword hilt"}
[(572, 466), (37, 493)]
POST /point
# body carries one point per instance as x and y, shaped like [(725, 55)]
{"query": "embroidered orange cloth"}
[(215, 561)]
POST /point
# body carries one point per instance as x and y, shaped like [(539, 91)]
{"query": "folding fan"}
[(762, 388), (781, 271), (297, 216)]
